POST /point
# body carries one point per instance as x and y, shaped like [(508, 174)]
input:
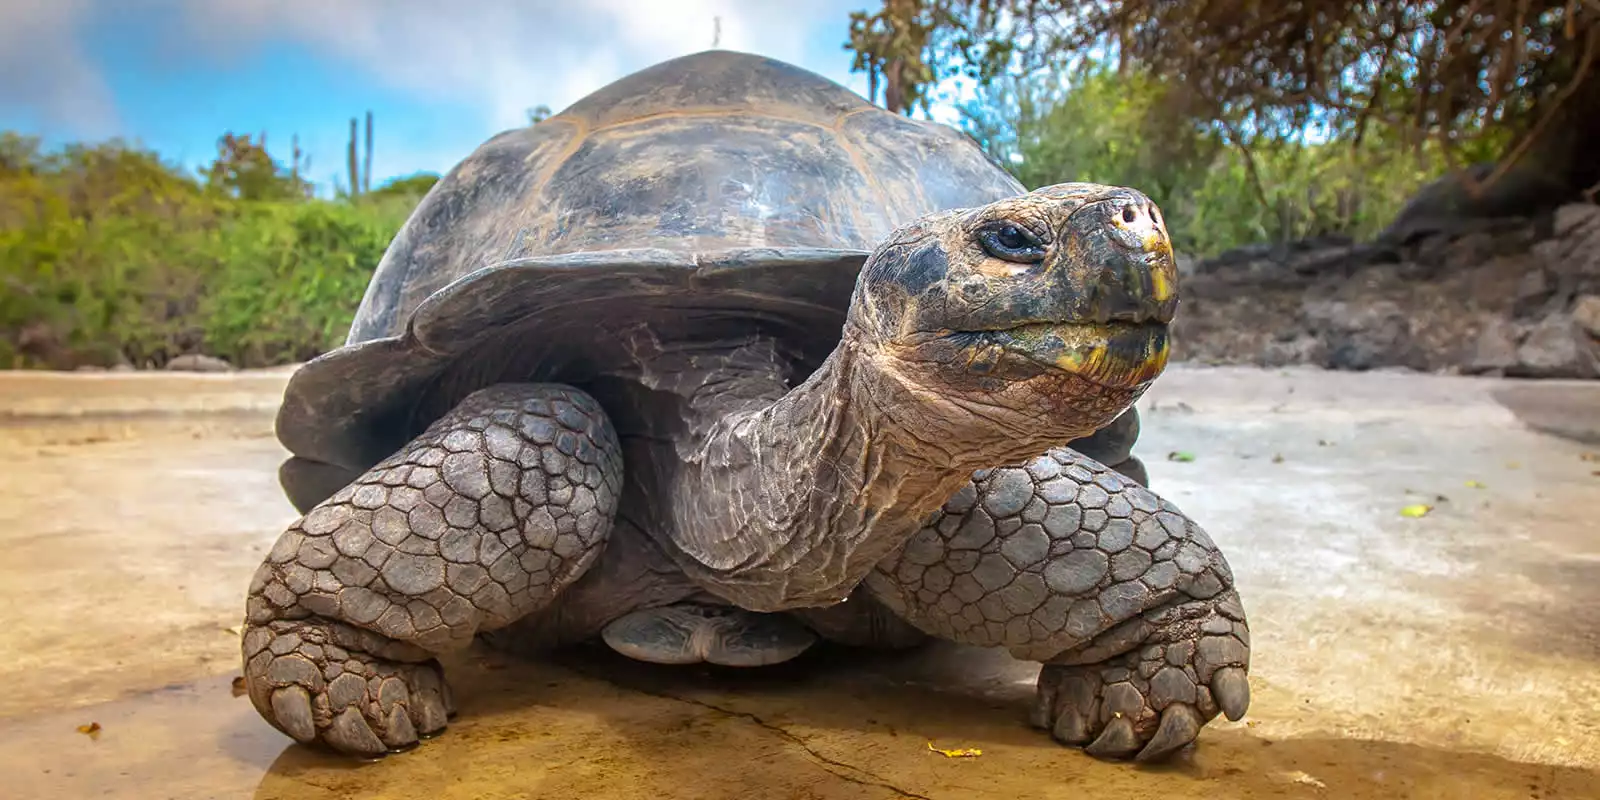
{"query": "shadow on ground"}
[(1568, 410), (835, 724)]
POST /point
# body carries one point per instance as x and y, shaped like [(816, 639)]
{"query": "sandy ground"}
[(1452, 656)]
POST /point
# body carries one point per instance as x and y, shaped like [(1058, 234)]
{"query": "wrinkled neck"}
[(789, 502)]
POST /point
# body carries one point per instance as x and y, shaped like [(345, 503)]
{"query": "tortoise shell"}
[(713, 193)]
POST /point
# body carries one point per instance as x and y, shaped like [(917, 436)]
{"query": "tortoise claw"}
[(350, 733), (1180, 724), (1071, 727), (291, 706), (1117, 740), (1231, 689)]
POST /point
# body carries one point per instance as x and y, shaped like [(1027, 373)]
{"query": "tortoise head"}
[(1051, 308)]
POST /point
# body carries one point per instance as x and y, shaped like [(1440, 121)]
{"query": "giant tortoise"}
[(722, 361)]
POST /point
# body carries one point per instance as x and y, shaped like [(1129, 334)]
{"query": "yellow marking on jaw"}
[(1090, 358), (1071, 360), (1160, 287)]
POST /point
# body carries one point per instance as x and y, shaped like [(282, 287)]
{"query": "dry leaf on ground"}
[(965, 752)]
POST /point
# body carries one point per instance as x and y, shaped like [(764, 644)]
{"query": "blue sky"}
[(440, 77)]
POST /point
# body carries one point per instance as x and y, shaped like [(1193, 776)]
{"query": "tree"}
[(243, 168), (890, 48), (1516, 78)]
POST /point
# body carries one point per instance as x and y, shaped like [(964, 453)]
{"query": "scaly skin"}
[(479, 521), (1126, 601)]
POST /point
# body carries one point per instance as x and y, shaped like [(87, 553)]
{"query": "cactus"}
[(360, 179), (353, 171), (366, 171)]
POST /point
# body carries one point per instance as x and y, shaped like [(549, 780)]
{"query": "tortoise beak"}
[(1118, 258), (1114, 283), (1113, 354)]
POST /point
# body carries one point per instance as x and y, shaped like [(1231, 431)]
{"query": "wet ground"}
[(1455, 655)]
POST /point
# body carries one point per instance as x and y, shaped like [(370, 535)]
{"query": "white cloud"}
[(505, 56), (495, 58), (45, 72)]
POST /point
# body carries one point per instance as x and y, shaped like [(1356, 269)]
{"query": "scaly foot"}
[(1152, 701), (327, 682)]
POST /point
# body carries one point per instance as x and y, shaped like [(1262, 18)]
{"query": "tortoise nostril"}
[(1128, 214)]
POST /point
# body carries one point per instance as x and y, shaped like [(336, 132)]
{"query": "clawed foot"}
[(1150, 702), (324, 682)]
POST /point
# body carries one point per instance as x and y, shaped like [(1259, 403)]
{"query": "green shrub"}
[(1218, 188), (290, 276), (108, 254)]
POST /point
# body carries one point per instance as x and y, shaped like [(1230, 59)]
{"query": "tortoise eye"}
[(1009, 241)]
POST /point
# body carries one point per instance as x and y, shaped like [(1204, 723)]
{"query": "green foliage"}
[(411, 186), (290, 275), (1445, 74), (1111, 125), (1218, 187), (108, 254)]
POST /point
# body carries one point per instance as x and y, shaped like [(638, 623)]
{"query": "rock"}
[(1507, 294), (1244, 256), (196, 362), (1557, 347), (1363, 337), (1586, 312), (1302, 349), (1447, 206), (1496, 347), (1574, 216), (1533, 291), (1186, 263)]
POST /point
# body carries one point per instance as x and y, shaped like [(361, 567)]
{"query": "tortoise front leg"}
[(479, 521), (1126, 601)]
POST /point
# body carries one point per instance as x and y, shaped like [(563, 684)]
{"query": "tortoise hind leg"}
[(862, 621), (481, 520), (691, 633)]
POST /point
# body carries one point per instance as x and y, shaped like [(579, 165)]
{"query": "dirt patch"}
[(1394, 657)]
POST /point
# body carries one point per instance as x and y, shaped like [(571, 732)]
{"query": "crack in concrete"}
[(831, 765)]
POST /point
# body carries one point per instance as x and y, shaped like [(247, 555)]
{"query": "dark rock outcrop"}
[(1507, 296)]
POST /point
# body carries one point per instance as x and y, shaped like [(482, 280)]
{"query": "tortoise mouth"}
[(1115, 354)]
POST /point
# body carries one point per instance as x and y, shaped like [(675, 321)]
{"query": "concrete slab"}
[(1449, 656)]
